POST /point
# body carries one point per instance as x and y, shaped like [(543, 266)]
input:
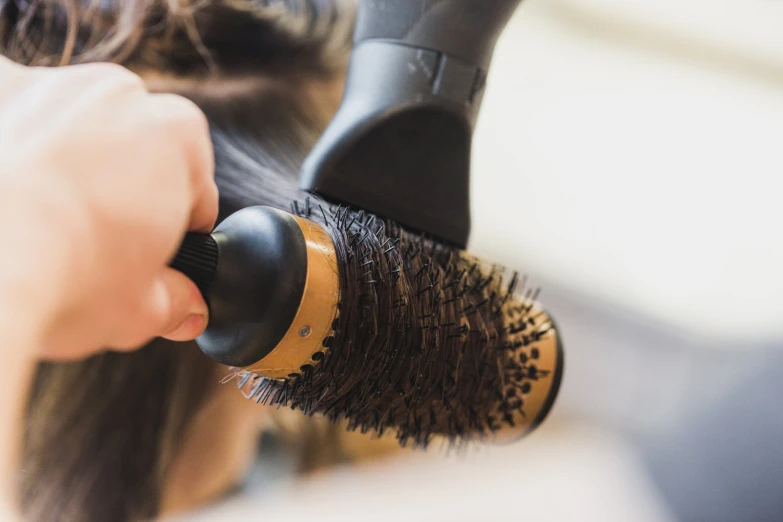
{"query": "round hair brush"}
[(349, 315), (335, 311)]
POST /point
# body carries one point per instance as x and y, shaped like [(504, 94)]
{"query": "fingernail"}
[(189, 329)]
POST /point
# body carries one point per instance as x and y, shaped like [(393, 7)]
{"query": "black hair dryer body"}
[(400, 145)]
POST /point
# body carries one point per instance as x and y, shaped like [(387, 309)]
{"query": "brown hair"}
[(102, 434)]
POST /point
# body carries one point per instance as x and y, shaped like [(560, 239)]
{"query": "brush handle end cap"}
[(258, 285)]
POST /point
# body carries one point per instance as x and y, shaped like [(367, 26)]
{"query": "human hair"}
[(426, 342), (102, 435)]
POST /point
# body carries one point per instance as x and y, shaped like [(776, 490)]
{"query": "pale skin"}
[(99, 181)]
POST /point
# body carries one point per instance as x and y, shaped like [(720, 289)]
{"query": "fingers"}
[(8, 66), (98, 74), (171, 307), (193, 129), (205, 207), (188, 313), (13, 76), (136, 171)]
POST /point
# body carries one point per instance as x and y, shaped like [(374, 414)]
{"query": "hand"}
[(99, 181)]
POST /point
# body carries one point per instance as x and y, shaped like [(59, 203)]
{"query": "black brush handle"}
[(252, 272), (197, 258)]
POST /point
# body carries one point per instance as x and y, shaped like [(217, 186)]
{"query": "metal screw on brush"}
[(304, 331)]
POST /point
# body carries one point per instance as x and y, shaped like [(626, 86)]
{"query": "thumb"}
[(188, 313)]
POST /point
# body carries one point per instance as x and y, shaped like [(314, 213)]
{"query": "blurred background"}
[(629, 158)]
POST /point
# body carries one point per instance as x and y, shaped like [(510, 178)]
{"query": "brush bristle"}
[(428, 340)]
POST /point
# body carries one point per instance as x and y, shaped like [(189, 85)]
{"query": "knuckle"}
[(112, 73), (116, 71), (10, 65), (183, 112)]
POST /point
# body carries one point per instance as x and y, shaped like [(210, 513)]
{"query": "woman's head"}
[(120, 436)]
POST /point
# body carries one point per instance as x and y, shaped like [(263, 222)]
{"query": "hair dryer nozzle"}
[(400, 145)]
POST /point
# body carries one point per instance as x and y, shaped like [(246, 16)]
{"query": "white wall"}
[(633, 151)]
